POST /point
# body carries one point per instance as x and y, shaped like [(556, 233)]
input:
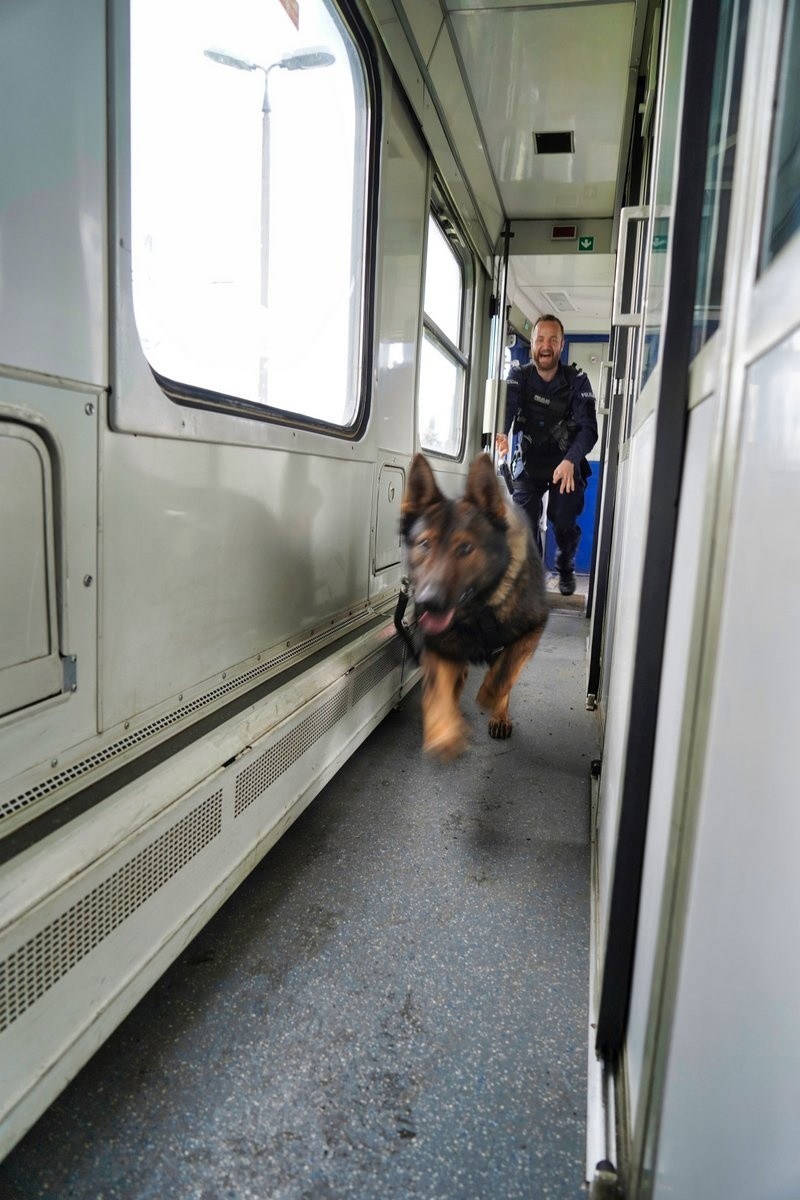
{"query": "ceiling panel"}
[(578, 289), (457, 5), (545, 69)]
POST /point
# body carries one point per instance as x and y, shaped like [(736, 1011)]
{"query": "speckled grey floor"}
[(393, 1005)]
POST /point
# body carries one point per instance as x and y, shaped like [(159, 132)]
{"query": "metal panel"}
[(212, 554), (52, 286), (669, 435), (66, 422), (523, 61), (387, 525), (733, 1075), (677, 648), (739, 339), (456, 102), (426, 18)]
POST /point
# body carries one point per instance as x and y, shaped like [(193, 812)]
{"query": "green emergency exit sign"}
[(586, 245)]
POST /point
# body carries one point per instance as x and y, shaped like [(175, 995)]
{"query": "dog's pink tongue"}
[(436, 622)]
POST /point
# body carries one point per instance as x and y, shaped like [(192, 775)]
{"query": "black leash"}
[(399, 624)]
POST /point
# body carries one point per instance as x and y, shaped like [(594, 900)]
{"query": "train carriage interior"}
[(254, 941)]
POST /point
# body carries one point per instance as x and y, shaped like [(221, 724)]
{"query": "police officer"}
[(552, 408)]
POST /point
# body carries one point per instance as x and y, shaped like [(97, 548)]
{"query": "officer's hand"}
[(501, 442), (564, 475)]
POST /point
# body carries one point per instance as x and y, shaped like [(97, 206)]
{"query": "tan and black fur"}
[(478, 588)]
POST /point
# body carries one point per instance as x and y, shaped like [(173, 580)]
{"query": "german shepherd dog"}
[(478, 586)]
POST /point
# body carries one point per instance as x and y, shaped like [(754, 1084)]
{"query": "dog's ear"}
[(483, 489), (421, 490)]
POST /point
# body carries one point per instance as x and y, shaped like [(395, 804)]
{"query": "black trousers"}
[(563, 510)]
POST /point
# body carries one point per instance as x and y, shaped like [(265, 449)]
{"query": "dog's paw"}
[(500, 727), (446, 742)]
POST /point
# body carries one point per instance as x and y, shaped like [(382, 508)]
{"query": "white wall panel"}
[(729, 1124), (53, 188), (212, 554), (677, 644)]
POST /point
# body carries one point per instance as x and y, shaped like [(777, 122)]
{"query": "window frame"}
[(457, 354), (173, 408), (773, 242)]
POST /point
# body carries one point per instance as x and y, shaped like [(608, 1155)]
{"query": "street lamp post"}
[(301, 60)]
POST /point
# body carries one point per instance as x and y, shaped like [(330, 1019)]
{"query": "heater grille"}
[(45, 958), (377, 670), (36, 966), (254, 780)]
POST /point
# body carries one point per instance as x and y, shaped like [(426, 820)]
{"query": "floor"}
[(393, 1004)]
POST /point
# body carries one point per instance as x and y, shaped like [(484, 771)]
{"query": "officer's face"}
[(547, 345)]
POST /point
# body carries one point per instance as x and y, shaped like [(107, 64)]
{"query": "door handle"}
[(634, 212)]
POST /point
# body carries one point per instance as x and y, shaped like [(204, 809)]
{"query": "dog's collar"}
[(483, 622)]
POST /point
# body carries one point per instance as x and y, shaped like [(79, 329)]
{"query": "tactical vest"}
[(543, 423)]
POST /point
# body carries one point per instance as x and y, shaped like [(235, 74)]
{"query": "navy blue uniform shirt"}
[(581, 410)]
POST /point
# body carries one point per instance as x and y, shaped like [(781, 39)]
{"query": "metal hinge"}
[(69, 667)]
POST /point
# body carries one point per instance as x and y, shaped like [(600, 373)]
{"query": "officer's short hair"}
[(548, 317)]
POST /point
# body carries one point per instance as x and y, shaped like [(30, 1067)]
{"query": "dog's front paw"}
[(446, 741), (500, 727)]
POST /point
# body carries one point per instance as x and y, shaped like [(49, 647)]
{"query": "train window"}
[(783, 204), (721, 156), (443, 363), (654, 269), (249, 147)]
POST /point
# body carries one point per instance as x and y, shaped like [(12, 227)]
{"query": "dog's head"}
[(457, 549)]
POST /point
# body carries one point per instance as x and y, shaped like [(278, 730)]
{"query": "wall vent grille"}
[(44, 959), (108, 753), (256, 778), (260, 775), (36, 966), (561, 141), (377, 670), (559, 301)]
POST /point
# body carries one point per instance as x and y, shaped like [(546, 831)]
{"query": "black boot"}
[(565, 565), (566, 582)]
